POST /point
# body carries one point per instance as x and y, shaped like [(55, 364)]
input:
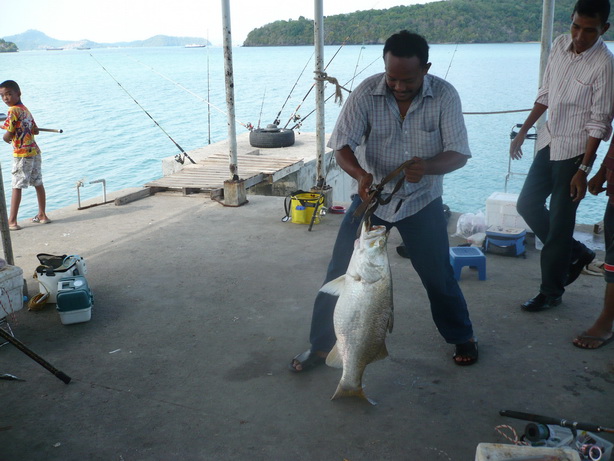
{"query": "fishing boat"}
[(195, 45), (54, 48)]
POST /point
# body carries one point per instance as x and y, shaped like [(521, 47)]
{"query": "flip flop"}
[(600, 341), (16, 227), (468, 350), (37, 220), (307, 360)]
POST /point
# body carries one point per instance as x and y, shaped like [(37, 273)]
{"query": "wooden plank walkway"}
[(209, 174)]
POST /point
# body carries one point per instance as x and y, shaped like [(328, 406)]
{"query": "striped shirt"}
[(370, 124), (579, 92)]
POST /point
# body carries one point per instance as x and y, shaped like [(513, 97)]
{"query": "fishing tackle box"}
[(53, 268), (506, 241), (74, 300)]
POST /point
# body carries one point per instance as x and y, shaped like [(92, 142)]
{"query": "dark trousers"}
[(554, 225), (426, 239)]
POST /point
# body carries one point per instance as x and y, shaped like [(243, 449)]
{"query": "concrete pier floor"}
[(199, 309)]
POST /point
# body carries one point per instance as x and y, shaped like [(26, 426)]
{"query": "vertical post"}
[(4, 226), (318, 40), (546, 45), (546, 38), (230, 97)]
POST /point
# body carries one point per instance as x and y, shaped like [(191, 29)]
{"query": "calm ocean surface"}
[(107, 136)]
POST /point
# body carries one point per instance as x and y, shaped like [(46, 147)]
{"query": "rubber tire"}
[(271, 139)]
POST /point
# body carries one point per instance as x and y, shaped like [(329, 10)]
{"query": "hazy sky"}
[(126, 20)]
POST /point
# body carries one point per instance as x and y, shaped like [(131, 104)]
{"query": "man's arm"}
[(8, 137), (442, 163), (349, 163), (516, 144)]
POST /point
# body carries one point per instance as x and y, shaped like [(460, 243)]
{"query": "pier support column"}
[(234, 192)]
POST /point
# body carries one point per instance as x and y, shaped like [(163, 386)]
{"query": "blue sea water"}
[(107, 135)]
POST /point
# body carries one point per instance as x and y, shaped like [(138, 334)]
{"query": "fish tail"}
[(344, 392)]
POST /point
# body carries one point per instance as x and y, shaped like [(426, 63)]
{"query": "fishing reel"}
[(589, 446)]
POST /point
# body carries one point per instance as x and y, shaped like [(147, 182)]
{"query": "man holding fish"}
[(401, 115)]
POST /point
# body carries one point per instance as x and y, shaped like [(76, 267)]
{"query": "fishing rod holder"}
[(81, 183)]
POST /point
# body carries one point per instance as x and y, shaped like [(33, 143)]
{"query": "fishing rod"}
[(556, 422), (277, 121), (177, 157), (451, 59), (349, 81), (51, 130), (356, 67), (261, 106), (313, 85), (34, 356), (208, 94)]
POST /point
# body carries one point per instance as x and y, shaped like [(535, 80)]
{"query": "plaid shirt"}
[(370, 124)]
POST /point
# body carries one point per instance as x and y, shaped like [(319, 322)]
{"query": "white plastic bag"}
[(469, 224)]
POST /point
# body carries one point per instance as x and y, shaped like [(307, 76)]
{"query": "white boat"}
[(195, 45)]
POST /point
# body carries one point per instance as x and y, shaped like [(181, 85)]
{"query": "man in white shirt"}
[(578, 92)]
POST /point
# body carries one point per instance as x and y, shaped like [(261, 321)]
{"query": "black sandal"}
[(468, 350), (307, 360)]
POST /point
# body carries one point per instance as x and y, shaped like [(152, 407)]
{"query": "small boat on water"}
[(195, 45), (54, 48)]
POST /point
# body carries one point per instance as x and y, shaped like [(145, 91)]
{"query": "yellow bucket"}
[(303, 206)]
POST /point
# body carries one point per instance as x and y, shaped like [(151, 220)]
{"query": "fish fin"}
[(342, 393), (382, 354), (333, 359), (335, 286)]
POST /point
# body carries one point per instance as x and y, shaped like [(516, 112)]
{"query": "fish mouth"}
[(375, 231), (373, 236)]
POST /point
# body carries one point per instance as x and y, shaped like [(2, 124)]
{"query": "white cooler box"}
[(501, 211), (54, 268), (11, 290)]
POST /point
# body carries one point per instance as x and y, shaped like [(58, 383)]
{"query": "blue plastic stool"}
[(467, 256)]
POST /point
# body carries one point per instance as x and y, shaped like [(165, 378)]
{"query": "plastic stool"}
[(467, 256)]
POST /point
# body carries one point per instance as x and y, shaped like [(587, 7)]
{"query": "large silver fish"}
[(363, 312)]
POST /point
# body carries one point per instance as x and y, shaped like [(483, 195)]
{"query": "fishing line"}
[(177, 157), (246, 125)]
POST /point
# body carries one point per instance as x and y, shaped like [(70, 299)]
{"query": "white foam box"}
[(501, 211), (499, 451), (11, 290)]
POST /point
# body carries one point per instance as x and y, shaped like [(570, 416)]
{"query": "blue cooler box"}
[(507, 241), (74, 300)]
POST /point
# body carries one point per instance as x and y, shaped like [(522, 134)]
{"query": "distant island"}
[(36, 40), (450, 21), (7, 47)]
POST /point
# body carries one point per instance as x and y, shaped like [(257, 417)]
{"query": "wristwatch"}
[(585, 168)]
